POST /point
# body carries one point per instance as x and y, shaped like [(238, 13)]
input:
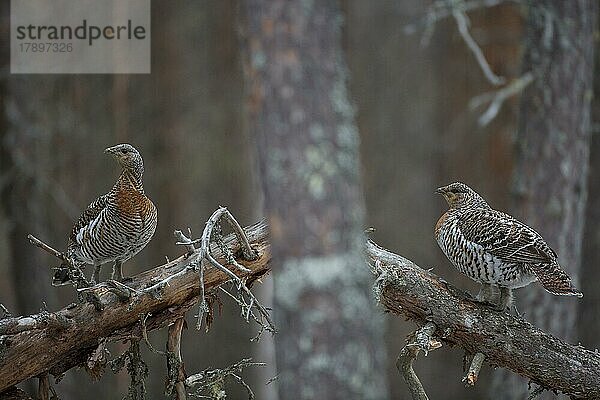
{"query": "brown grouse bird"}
[(495, 249), (117, 225)]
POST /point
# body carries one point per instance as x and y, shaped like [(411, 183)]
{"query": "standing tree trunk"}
[(330, 340), (552, 154), (589, 312)]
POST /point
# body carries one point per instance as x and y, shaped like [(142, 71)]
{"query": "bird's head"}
[(127, 156), (458, 194)]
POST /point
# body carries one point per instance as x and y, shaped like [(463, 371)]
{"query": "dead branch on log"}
[(209, 383), (76, 335), (505, 340), (175, 369), (213, 233), (422, 341), (473, 372)]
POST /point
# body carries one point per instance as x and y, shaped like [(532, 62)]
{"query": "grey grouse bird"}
[(117, 225), (495, 249)]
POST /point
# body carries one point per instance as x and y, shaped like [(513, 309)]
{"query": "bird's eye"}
[(123, 151)]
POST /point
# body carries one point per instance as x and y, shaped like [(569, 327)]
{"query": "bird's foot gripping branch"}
[(111, 311), (450, 316)]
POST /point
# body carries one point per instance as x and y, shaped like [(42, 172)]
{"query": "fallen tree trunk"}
[(55, 342), (507, 341)]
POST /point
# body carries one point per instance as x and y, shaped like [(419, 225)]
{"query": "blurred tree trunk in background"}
[(6, 287), (589, 311), (417, 134), (552, 155), (330, 344), (22, 186)]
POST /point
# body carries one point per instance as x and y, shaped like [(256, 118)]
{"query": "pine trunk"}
[(330, 340), (552, 155)]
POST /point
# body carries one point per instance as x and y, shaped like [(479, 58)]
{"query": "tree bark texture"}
[(507, 341), (330, 340), (56, 342), (553, 151)]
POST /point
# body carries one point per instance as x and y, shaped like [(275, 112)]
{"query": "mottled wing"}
[(82, 230), (505, 237)]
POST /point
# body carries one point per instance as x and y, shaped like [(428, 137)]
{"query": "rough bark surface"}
[(56, 342), (506, 341), (553, 150), (330, 345)]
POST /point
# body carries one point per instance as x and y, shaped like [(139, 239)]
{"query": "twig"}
[(122, 291), (443, 9), (458, 9), (145, 336), (5, 312), (67, 272), (247, 251), (213, 221), (38, 243), (473, 373), (204, 252), (422, 342), (184, 241), (462, 23), (213, 380), (498, 97)]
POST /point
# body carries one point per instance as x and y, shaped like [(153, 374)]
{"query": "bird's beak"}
[(110, 150), (440, 190)]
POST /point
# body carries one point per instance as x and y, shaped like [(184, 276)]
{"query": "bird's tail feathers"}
[(555, 280)]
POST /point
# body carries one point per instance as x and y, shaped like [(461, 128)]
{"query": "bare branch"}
[(442, 9), (175, 371), (212, 230), (184, 241), (145, 336), (4, 311), (65, 274), (498, 97), (422, 341), (462, 23), (506, 341), (49, 249), (210, 382), (473, 373), (458, 9)]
